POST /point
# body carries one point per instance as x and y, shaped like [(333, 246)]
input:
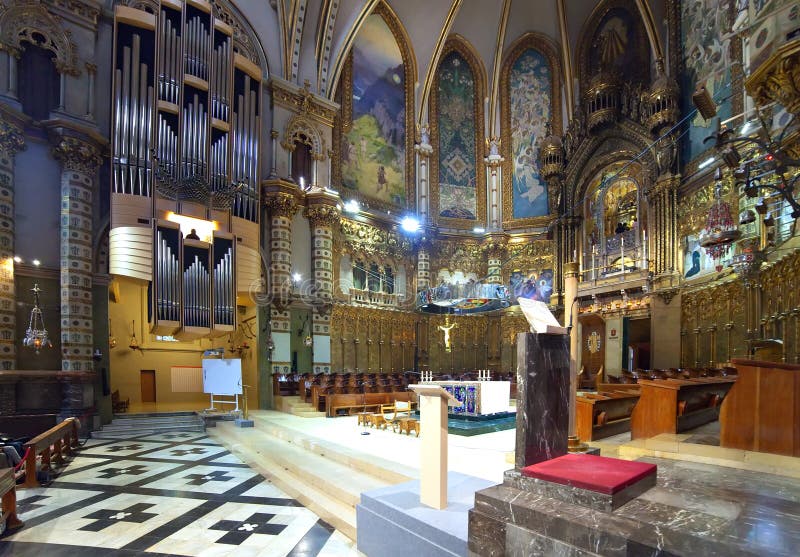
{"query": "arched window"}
[(359, 275), (457, 179), (302, 162), (530, 99), (375, 135), (38, 83)]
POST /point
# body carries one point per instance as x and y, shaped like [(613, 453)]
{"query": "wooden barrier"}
[(8, 496), (52, 444), (602, 415), (363, 401), (675, 405), (762, 411)]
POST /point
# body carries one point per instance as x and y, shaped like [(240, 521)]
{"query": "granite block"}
[(577, 495), (241, 422), (542, 397), (392, 519)]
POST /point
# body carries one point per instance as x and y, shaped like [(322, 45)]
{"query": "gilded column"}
[(281, 207), (424, 151), (11, 142), (423, 268), (323, 214), (79, 161), (662, 199), (495, 247)]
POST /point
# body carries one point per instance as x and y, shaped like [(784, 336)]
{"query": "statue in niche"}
[(665, 154)]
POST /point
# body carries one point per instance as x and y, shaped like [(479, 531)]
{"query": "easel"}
[(226, 399)]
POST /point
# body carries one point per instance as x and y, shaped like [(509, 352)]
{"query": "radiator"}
[(186, 379)]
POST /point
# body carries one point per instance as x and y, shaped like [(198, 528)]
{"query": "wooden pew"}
[(602, 415), (362, 402), (675, 405), (8, 496), (53, 443)]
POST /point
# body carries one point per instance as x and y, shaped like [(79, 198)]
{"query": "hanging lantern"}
[(720, 230)]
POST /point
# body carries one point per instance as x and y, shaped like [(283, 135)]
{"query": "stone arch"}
[(300, 127), (33, 24)]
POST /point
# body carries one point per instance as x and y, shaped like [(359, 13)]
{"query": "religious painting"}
[(530, 90), (533, 285), (457, 139), (619, 44), (697, 262), (706, 32), (373, 150)]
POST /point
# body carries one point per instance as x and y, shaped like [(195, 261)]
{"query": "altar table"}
[(479, 398)]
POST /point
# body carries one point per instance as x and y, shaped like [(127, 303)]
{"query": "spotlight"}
[(17, 259), (352, 206), (769, 220), (297, 277), (706, 163), (36, 262), (761, 207), (410, 224), (746, 217), (703, 102)]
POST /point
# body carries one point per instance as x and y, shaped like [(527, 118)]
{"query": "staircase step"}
[(308, 413), (316, 482), (149, 423)]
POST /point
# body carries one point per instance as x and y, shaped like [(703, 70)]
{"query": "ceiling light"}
[(297, 277), (36, 262), (17, 259)]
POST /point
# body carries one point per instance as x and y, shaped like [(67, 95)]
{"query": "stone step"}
[(328, 488), (138, 432), (308, 413), (157, 421), (137, 415)]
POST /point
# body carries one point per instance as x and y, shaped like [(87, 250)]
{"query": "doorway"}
[(147, 378)]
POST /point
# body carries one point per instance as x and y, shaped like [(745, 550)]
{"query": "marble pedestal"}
[(542, 397)]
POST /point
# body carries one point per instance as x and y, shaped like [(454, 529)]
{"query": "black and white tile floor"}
[(167, 494)]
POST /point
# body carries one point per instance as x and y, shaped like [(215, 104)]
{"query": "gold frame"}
[(345, 93), (457, 43), (549, 49)]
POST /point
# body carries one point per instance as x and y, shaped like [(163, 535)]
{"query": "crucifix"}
[(446, 329)]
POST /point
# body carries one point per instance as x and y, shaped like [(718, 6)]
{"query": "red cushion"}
[(595, 473)]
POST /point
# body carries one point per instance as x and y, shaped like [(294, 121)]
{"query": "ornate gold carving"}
[(778, 78), (244, 39), (549, 49), (77, 155), (458, 44), (364, 239), (301, 129), (280, 204), (26, 22), (302, 101), (495, 245), (11, 138), (322, 215), (464, 256), (693, 206)]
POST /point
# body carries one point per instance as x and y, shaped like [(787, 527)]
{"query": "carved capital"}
[(11, 138), (778, 79), (77, 155), (281, 204), (495, 245), (322, 215)]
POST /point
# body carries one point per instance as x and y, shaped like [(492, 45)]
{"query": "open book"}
[(540, 318)]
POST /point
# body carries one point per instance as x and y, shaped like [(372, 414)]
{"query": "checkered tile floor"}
[(167, 494)]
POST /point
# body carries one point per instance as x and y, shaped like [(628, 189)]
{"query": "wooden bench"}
[(118, 405), (8, 496), (362, 402), (676, 405), (52, 444), (604, 414)]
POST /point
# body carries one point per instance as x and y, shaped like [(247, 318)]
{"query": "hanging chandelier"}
[(36, 335), (720, 230)]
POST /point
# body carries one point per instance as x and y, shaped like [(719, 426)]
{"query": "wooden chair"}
[(117, 404)]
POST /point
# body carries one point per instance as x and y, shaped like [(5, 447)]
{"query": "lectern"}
[(433, 403)]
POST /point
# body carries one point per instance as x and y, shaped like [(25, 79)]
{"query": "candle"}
[(622, 254)]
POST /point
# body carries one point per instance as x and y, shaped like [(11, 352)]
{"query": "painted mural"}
[(532, 284), (705, 29), (529, 99), (373, 150), (618, 44), (456, 119), (697, 262)]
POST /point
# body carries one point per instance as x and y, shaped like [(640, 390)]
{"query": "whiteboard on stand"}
[(222, 376)]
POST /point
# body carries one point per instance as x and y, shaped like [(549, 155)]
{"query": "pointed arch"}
[(539, 56), (457, 48), (611, 16), (392, 186)]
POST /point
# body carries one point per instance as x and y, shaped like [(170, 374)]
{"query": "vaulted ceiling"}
[(310, 39)]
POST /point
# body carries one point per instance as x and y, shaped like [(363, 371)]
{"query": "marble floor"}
[(175, 493)]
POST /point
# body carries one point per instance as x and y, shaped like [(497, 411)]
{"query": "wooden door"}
[(147, 378), (593, 336)]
